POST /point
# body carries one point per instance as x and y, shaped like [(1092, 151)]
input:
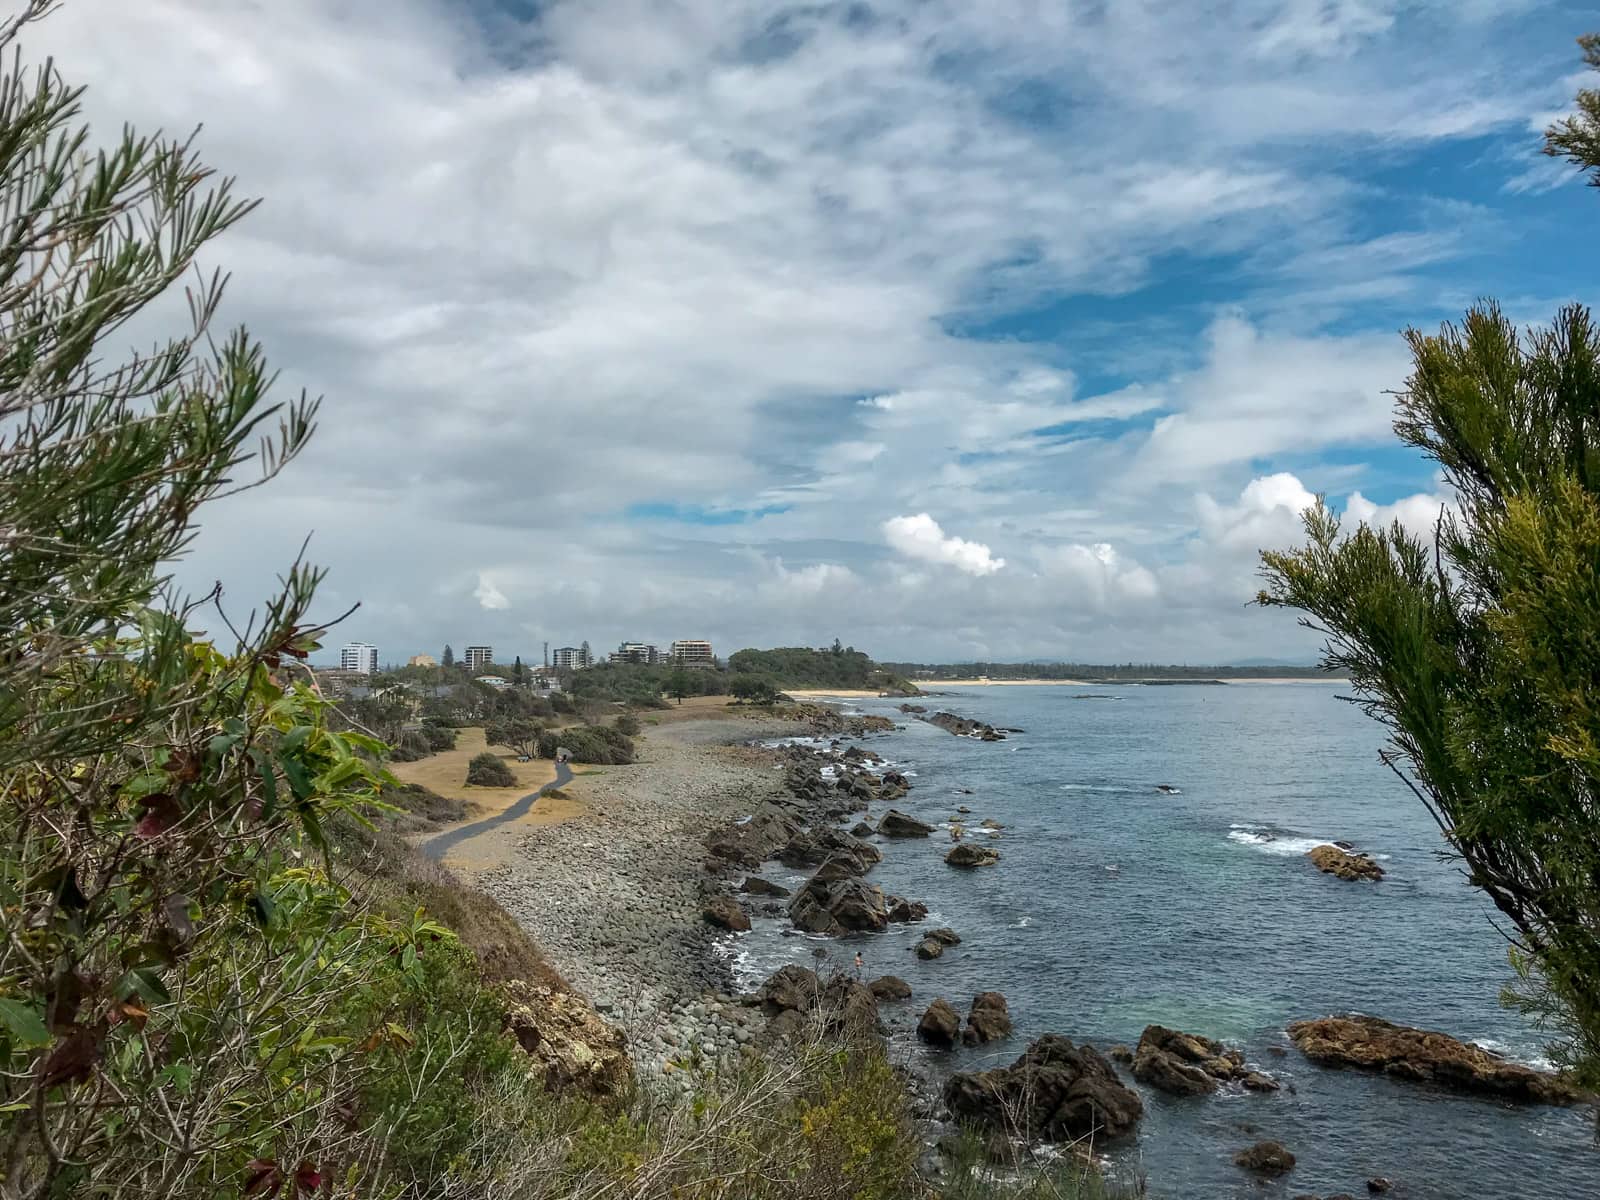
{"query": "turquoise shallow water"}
[(1213, 921)]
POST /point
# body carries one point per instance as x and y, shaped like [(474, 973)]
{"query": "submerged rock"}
[(1426, 1056), (989, 1020), (968, 854), (890, 987), (1331, 860), (940, 1024), (1184, 1064), (1056, 1091), (1266, 1158)]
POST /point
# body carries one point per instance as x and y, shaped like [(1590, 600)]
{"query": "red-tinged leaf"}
[(262, 1177), (297, 652), (66, 998), (131, 1010), (184, 766), (161, 814), (307, 1178), (74, 1057)]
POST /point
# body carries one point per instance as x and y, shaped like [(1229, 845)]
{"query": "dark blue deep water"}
[(1211, 921)]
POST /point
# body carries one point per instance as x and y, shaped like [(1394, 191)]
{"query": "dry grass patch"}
[(446, 774)]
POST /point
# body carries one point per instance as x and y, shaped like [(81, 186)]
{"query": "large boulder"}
[(969, 854), (946, 936), (929, 948), (989, 1020), (965, 727), (940, 1024), (829, 906), (572, 1048), (1341, 864), (814, 846), (903, 911), (1184, 1064), (890, 987), (1426, 1056), (1056, 1091), (750, 843), (725, 913), (754, 885), (1266, 1158), (795, 1000), (897, 824)]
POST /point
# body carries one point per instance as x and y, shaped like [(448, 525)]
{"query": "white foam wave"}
[(1267, 843), (1537, 1061)]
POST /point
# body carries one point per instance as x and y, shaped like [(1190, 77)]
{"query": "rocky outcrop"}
[(1425, 1056), (1185, 1064), (795, 1000), (725, 913), (940, 1024), (754, 885), (890, 987), (1266, 1158), (968, 854), (929, 948), (989, 1019), (897, 824), (827, 721), (811, 847), (903, 911), (965, 727), (914, 709), (838, 906), (572, 1048), (751, 843), (1056, 1091), (1341, 864)]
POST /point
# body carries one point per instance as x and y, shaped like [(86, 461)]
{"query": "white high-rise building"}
[(359, 657), (571, 658), (479, 657)]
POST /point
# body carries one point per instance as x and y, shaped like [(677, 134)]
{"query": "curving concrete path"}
[(437, 847)]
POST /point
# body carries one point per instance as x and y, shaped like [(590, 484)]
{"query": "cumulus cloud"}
[(1266, 515), (605, 256), (488, 596), (920, 537), (1418, 515)]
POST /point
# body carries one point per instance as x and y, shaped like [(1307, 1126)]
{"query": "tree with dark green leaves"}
[(449, 659), (1478, 647), (519, 674), (680, 685), (489, 770), (1577, 138)]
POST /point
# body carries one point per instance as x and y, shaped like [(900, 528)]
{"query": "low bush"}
[(600, 745), (627, 725), (489, 770)]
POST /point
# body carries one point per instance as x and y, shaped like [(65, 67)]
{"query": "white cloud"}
[(1418, 514), (656, 255), (488, 596), (921, 538)]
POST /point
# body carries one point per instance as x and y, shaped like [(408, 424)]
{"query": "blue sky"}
[(956, 331)]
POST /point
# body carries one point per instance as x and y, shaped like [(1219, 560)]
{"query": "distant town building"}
[(571, 658), (494, 681), (693, 651), (360, 658), (636, 652), (421, 660), (336, 683), (479, 657)]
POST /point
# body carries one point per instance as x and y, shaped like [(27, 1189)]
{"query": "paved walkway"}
[(437, 847)]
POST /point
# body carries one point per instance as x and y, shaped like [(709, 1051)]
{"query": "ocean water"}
[(1116, 906)]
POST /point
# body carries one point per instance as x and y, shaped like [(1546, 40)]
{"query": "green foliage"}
[(841, 667), (603, 745), (489, 770), (1577, 138), (628, 725), (642, 684), (516, 733), (1481, 661), (752, 689)]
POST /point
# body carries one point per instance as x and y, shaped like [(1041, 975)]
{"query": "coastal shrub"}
[(411, 747), (489, 770), (439, 738), (1478, 648), (600, 745), (628, 725)]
